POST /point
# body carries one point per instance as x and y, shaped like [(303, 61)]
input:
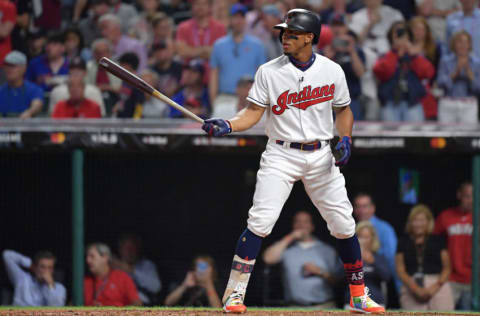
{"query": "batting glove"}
[(344, 147), (217, 127)]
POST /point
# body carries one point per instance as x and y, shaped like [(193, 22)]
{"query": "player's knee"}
[(259, 229), (344, 231)]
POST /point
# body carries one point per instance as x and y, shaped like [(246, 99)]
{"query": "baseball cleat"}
[(365, 305), (234, 304)]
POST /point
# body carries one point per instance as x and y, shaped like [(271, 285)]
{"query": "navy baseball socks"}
[(360, 301), (248, 246)]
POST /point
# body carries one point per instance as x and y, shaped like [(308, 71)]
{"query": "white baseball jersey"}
[(299, 102)]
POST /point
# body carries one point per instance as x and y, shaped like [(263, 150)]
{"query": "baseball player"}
[(298, 91)]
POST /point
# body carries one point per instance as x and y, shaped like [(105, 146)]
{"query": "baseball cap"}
[(273, 10), (77, 63), (15, 58), (238, 8), (195, 65), (95, 2)]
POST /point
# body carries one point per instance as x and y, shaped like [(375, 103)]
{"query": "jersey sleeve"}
[(342, 95), (258, 93)]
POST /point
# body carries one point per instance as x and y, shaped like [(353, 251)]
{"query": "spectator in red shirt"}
[(457, 224), (77, 106), (8, 17), (106, 286), (195, 37)]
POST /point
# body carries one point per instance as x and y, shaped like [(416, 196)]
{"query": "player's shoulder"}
[(327, 64), (275, 63)]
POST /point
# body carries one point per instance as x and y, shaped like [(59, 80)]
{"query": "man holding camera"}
[(345, 51), (401, 73)]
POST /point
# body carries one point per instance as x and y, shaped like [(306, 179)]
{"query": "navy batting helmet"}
[(301, 20)]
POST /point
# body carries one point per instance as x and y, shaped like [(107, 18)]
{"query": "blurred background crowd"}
[(411, 60)]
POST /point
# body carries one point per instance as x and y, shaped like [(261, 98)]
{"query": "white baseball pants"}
[(280, 167)]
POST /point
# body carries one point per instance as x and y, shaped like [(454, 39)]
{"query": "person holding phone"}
[(423, 265), (199, 286)]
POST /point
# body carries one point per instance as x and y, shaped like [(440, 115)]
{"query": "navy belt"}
[(304, 146)]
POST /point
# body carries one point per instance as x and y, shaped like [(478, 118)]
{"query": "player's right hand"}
[(217, 127)]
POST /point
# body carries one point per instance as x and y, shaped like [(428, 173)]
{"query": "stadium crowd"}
[(412, 60), (404, 61)]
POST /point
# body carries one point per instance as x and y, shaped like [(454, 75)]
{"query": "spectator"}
[(51, 68), (8, 18), (36, 287), (423, 265), (141, 270), (272, 16), (106, 286), (89, 26), (364, 210), (230, 109), (371, 25), (424, 44), (254, 22), (401, 73), (199, 287), (194, 94), (128, 97), (76, 106), (195, 37), (344, 51), (20, 33), (310, 266), (375, 266), (124, 11), (19, 96), (456, 223), (169, 70), (108, 84), (36, 44), (233, 56), (163, 27), (459, 76), (436, 12), (178, 10), (110, 26), (61, 92), (468, 20), (141, 26), (74, 45)]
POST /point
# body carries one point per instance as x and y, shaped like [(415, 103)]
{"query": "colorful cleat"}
[(365, 305), (234, 304)]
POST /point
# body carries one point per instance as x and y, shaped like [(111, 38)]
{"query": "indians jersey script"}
[(299, 102)]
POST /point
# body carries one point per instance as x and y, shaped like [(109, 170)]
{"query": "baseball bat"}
[(140, 84)]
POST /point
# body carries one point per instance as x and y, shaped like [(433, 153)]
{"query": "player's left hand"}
[(217, 127), (344, 148)]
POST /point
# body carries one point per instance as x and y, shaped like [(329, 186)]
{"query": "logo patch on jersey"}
[(304, 99)]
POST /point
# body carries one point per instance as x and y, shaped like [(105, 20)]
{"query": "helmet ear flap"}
[(281, 35)]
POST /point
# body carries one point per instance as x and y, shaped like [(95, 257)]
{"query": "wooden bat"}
[(140, 84)]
